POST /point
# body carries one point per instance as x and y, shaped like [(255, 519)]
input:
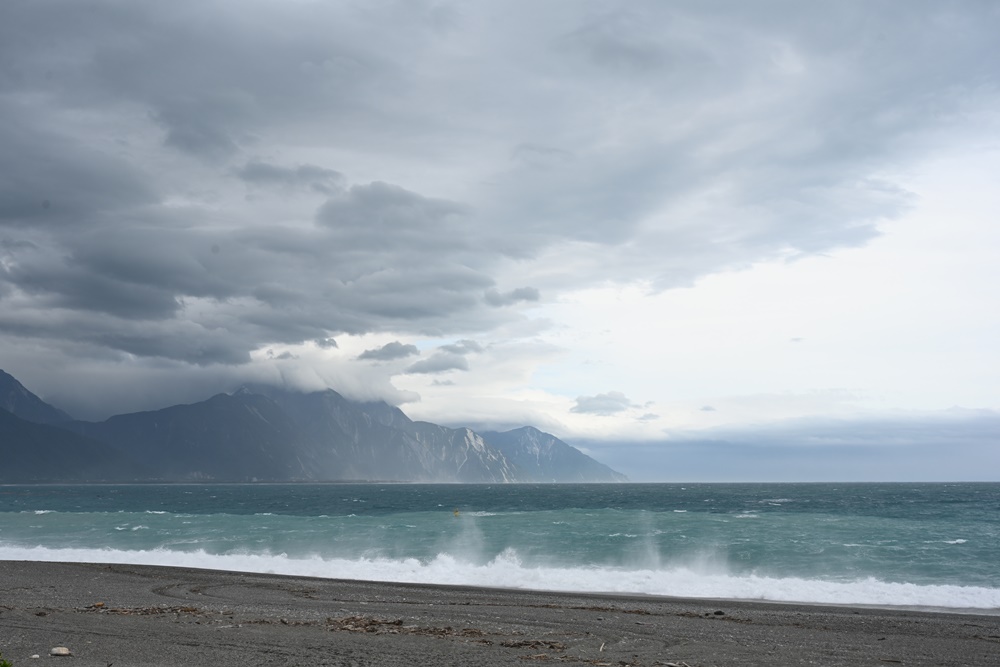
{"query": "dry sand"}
[(125, 615)]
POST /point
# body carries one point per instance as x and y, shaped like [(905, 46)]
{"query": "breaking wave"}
[(506, 570)]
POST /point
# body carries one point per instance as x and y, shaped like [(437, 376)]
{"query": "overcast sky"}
[(705, 240)]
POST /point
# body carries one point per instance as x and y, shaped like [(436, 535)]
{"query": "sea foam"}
[(507, 571)]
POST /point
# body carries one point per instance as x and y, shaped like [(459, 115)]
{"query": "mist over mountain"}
[(262, 433)]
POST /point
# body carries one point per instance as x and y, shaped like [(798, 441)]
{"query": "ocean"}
[(911, 545)]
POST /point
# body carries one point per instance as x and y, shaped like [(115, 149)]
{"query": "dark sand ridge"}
[(137, 615)]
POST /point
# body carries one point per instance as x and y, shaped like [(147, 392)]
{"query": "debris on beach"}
[(59, 650)]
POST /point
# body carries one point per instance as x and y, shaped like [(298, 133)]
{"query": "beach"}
[(125, 615)]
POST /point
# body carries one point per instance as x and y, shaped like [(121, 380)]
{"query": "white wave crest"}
[(506, 570)]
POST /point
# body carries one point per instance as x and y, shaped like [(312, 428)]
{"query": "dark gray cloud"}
[(287, 284), (381, 216), (450, 357), (568, 146), (807, 178), (192, 128), (462, 347), (320, 179), (55, 179), (390, 351), (604, 405), (442, 362), (497, 299)]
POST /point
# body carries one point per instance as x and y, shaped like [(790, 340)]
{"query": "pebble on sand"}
[(60, 650)]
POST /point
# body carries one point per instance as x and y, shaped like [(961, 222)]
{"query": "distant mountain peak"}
[(530, 430)]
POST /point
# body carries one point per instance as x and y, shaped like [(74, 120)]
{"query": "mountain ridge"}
[(265, 433), (42, 453), (549, 458), (17, 400)]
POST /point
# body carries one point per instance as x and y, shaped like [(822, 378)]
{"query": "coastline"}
[(146, 615)]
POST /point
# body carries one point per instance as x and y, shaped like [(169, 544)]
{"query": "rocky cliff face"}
[(351, 440), (546, 458), (461, 453)]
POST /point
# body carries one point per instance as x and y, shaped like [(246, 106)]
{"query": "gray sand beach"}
[(125, 615)]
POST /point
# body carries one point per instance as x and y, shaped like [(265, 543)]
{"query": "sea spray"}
[(507, 571)]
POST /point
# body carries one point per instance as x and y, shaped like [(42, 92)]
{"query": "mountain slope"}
[(17, 400), (374, 440), (225, 438), (546, 458), (461, 453), (32, 452)]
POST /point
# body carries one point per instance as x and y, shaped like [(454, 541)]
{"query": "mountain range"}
[(262, 433)]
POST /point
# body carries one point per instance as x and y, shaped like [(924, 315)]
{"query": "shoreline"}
[(97, 557), (153, 615)]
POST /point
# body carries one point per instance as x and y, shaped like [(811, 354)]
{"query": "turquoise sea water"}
[(935, 545)]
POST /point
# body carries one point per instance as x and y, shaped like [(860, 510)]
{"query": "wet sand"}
[(126, 615)]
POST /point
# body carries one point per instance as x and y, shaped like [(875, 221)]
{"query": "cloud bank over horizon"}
[(583, 215)]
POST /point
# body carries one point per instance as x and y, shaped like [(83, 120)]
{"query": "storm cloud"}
[(322, 180), (191, 183)]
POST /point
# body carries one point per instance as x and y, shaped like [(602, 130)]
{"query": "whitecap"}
[(508, 570)]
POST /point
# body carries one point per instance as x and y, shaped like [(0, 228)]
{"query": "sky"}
[(702, 241)]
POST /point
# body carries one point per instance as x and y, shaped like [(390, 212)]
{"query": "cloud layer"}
[(187, 184)]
